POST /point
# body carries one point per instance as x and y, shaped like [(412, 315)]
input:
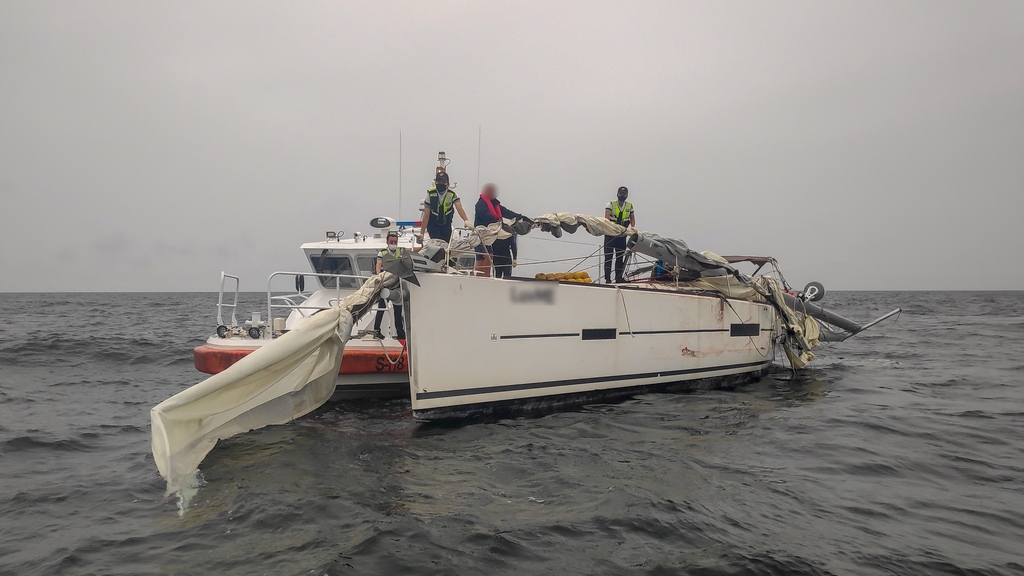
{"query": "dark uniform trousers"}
[(614, 249), (439, 231), (503, 258)]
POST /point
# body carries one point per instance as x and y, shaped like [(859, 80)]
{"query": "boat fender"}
[(222, 331), (300, 283), (254, 333)]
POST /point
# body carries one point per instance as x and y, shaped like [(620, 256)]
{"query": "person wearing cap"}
[(488, 211), (438, 209), (620, 212), (394, 297)]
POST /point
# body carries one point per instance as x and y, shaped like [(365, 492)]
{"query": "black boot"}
[(376, 325)]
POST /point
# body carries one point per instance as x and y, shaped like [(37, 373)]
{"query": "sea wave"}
[(898, 451), (67, 350)]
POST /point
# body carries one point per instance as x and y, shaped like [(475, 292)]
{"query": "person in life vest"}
[(488, 211), (395, 298), (438, 209), (620, 212)]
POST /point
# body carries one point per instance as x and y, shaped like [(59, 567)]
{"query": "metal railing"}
[(220, 300), (288, 299)]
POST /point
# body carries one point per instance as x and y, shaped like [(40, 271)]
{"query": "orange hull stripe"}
[(211, 360)]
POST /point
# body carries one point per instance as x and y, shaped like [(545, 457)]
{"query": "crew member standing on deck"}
[(620, 212), (394, 297), (489, 211), (505, 253), (438, 209)]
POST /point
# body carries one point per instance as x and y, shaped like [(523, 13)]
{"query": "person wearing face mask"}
[(396, 299), (438, 209), (620, 212), (488, 211)]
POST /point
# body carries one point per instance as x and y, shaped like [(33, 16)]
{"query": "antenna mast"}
[(399, 175)]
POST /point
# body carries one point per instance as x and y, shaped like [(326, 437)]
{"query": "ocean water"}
[(900, 452)]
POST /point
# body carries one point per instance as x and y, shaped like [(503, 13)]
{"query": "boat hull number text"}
[(538, 295)]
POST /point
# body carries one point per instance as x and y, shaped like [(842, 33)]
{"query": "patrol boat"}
[(375, 365), (534, 343), (372, 367)]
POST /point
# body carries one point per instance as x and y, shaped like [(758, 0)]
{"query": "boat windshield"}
[(367, 265), (335, 265)]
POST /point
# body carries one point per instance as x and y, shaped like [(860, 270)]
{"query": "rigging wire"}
[(887, 330), (558, 240), (536, 262), (893, 325), (585, 258)]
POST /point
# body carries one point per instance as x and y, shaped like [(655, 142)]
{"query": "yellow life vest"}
[(442, 206), (622, 213)]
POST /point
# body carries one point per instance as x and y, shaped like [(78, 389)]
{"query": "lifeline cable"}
[(585, 258), (559, 241), (529, 262)]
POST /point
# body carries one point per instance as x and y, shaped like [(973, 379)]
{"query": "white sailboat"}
[(533, 344), (536, 343)]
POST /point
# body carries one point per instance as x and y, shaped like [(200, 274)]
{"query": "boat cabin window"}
[(367, 265), (334, 264)]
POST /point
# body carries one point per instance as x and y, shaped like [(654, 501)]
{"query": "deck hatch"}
[(599, 333), (744, 329)]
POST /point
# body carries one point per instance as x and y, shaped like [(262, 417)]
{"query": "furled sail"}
[(673, 251)]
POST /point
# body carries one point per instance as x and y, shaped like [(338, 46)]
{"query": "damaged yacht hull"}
[(545, 345)]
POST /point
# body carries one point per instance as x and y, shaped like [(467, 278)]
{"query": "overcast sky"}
[(867, 145)]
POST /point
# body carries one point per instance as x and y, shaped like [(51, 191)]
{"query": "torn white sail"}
[(280, 381)]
